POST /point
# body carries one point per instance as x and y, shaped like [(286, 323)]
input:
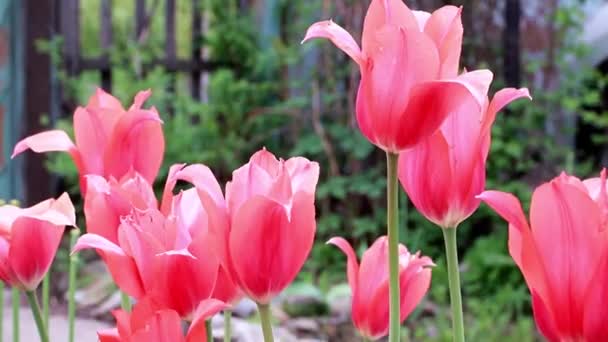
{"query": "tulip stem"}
[(125, 302), (209, 330), (72, 272), (16, 301), (265, 317), (449, 236), (227, 325), (46, 291), (392, 200), (31, 297)]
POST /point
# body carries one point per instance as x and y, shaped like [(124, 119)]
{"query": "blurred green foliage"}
[(298, 100)]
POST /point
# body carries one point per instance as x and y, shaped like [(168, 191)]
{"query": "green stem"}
[(209, 330), (449, 236), (392, 200), (16, 301), (227, 325), (72, 285), (46, 290), (31, 298), (265, 318), (125, 302)]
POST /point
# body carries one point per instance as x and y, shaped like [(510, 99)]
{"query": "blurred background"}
[(230, 76)]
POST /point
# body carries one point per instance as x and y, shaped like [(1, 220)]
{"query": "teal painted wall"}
[(11, 94)]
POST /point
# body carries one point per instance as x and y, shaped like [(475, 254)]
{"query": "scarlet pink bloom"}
[(106, 201), (110, 140), (443, 174), (149, 322), (563, 255), (369, 284), (265, 228), (409, 66), (163, 254), (29, 239)]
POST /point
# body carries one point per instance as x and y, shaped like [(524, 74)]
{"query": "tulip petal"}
[(121, 266), (544, 318), (596, 310), (426, 175), (31, 264), (422, 17), (568, 217), (304, 174), (182, 281), (91, 138), (137, 142), (162, 326), (373, 273), (352, 267), (140, 98), (430, 104), (337, 35), (445, 28), (104, 100), (207, 308), (380, 14), (267, 248), (109, 335), (49, 141), (414, 282)]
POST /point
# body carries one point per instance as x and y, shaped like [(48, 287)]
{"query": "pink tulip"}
[(163, 254), (265, 228), (110, 140), (106, 201), (29, 239), (563, 255), (443, 174), (369, 284), (149, 322), (409, 66)]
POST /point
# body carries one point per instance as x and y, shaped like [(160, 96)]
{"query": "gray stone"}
[(245, 308)]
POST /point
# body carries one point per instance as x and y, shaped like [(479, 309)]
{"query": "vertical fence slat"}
[(170, 31), (197, 38), (70, 29), (105, 35), (140, 17)]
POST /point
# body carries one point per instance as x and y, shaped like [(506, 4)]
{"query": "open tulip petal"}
[(342, 39), (140, 98), (445, 27), (122, 267), (49, 141), (352, 267), (206, 309), (382, 13), (109, 335)]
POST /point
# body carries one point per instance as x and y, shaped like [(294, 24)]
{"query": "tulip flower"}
[(443, 174), (149, 322), (106, 201), (563, 255), (264, 229), (272, 222), (369, 284), (409, 66), (162, 253), (29, 239), (110, 141)]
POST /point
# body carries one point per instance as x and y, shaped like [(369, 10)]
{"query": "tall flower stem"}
[(31, 298), (392, 200), (227, 325), (209, 330), (16, 301), (449, 236), (265, 318), (72, 272), (46, 292), (125, 302)]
